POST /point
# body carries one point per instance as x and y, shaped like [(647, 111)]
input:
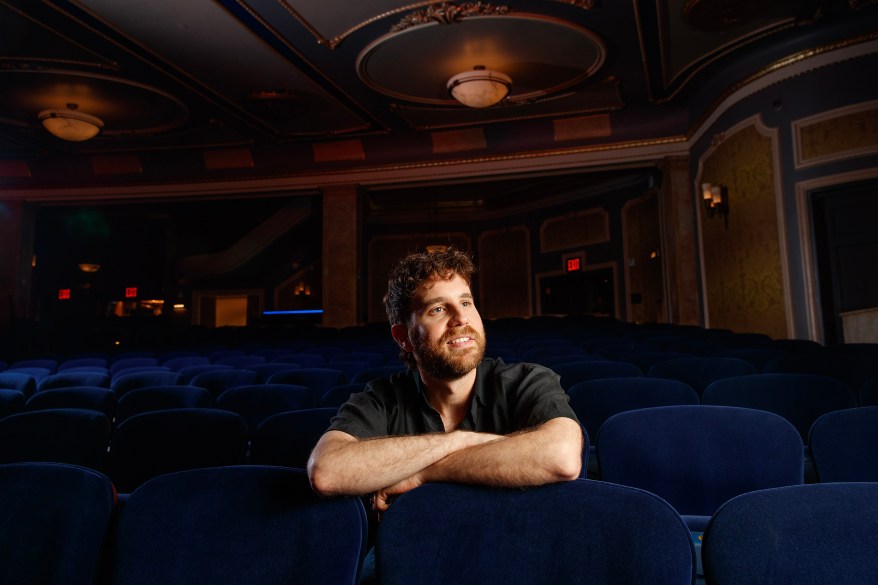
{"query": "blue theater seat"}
[(574, 532), (237, 525), (287, 438), (55, 521), (811, 534), (163, 441), (59, 435), (844, 445)]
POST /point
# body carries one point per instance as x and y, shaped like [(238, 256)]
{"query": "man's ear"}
[(400, 334)]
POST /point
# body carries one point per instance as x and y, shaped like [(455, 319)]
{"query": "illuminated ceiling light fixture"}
[(89, 267), (480, 87), (70, 124)]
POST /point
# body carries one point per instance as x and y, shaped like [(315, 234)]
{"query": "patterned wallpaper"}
[(742, 260)]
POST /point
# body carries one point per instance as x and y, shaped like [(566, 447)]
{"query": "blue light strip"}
[(302, 312)]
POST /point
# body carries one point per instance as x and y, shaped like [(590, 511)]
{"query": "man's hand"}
[(384, 497)]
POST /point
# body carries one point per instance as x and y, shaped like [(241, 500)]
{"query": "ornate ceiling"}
[(274, 88)]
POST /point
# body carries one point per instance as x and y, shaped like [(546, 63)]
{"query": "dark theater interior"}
[(671, 204)]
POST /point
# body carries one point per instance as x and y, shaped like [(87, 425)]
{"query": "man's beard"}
[(449, 364)]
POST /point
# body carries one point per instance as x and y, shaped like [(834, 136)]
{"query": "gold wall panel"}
[(504, 275), (837, 136), (643, 259), (742, 260), (574, 230)]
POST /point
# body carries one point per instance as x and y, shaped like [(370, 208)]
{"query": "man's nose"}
[(459, 316)]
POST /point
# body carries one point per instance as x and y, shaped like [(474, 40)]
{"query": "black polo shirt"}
[(507, 398)]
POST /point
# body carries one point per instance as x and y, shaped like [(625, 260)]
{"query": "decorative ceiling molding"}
[(445, 13)]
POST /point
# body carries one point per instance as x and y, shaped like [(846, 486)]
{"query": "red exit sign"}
[(130, 292), (574, 264), (64, 294)]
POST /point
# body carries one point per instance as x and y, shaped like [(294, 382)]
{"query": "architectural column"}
[(16, 242), (341, 252), (680, 243)]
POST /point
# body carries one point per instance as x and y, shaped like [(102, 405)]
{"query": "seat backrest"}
[(594, 401), (814, 533), (50, 364), (868, 392), (241, 361), (335, 397), (234, 525), (88, 397), (265, 371), (11, 401), (257, 402), (218, 381), (84, 362), (60, 435), (576, 372), (452, 533), (700, 371), (24, 383), (851, 368), (69, 378), (318, 379), (305, 360), (119, 365), (287, 438), (844, 445), (189, 372), (698, 457), (163, 441), (55, 519), (128, 381), (799, 398), (185, 361), (161, 398), (375, 373)]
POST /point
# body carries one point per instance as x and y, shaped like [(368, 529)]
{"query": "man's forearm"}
[(342, 465), (549, 453)]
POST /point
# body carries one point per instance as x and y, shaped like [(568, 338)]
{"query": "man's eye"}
[(437, 309)]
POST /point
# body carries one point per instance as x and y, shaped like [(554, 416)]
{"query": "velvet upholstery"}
[(799, 535), (69, 378), (128, 381), (163, 441), (218, 381), (698, 457), (89, 397), (50, 364), (265, 371), (575, 372), (185, 361), (305, 360), (844, 445), (241, 362), (35, 373), (700, 371), (189, 372), (647, 359), (11, 401), (252, 525), (799, 398), (84, 362), (152, 398), (24, 383), (319, 380), (594, 401), (257, 402), (758, 356), (851, 368), (335, 397), (55, 518), (60, 435), (374, 373), (125, 363), (580, 531), (371, 359), (287, 438), (868, 393)]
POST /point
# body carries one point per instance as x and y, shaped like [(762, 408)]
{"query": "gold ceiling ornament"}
[(584, 4), (448, 13)]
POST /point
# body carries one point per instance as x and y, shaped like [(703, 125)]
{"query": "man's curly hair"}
[(414, 269)]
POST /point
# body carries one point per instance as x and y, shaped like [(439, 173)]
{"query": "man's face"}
[(445, 329)]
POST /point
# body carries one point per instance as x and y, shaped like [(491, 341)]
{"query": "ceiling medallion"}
[(445, 13)]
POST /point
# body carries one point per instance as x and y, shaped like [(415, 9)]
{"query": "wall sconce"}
[(716, 200), (480, 87), (71, 124), (89, 267)]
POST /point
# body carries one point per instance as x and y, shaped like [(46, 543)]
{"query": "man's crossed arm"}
[(389, 466)]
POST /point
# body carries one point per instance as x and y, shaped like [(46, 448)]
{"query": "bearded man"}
[(454, 415)]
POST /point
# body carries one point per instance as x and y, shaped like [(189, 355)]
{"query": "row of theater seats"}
[(264, 526)]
